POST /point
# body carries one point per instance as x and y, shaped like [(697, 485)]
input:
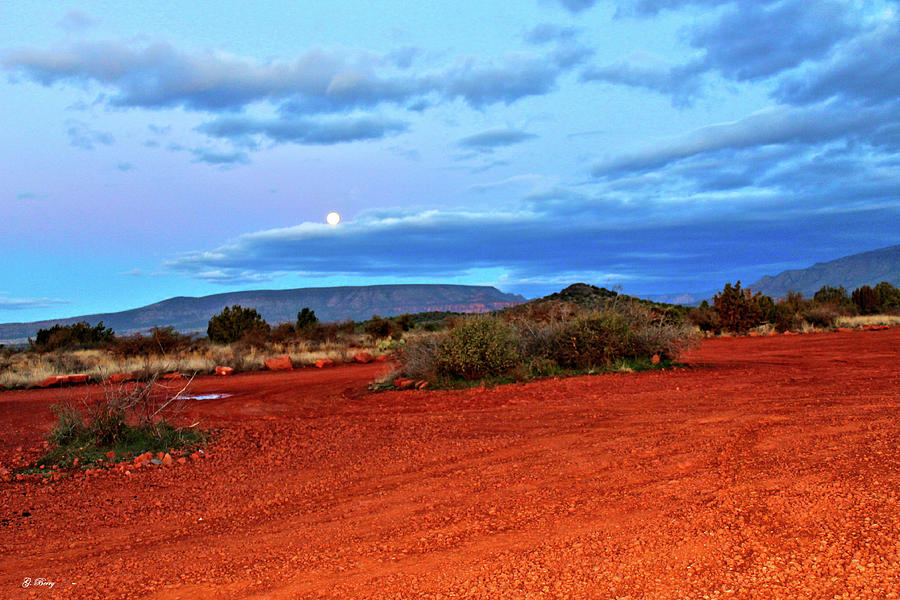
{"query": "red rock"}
[(324, 362), (421, 385), (874, 327), (172, 376), (655, 359), (111, 454), (195, 456), (383, 358), (753, 334), (51, 381), (402, 383), (167, 460), (182, 460), (80, 378), (224, 371), (120, 377), (363, 357), (279, 363), (843, 329)]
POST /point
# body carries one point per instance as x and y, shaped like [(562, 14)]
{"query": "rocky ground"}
[(766, 469)]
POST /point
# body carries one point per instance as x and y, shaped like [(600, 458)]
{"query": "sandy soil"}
[(768, 469)]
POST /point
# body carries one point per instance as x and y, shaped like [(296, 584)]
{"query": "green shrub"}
[(306, 319), (593, 340), (822, 316), (71, 337), (705, 318), (478, 347), (866, 300), (888, 296), (235, 323), (161, 341), (739, 310)]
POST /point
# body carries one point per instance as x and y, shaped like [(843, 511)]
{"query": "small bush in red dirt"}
[(738, 310)]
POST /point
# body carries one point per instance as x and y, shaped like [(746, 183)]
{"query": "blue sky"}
[(188, 148)]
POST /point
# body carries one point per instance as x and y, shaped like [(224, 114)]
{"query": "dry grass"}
[(862, 320), (27, 368)]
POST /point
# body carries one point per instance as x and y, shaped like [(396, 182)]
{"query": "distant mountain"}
[(189, 314), (851, 272), (867, 268)]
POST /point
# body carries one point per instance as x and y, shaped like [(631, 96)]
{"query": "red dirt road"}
[(768, 469)]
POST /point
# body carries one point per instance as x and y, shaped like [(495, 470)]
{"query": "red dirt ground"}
[(767, 469)]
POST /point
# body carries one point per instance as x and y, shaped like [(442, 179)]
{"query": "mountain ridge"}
[(192, 313), (852, 271)]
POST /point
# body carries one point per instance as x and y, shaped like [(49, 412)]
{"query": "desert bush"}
[(306, 318), (836, 297), (593, 339), (478, 347), (821, 316), (235, 323), (380, 328), (130, 420), (420, 356), (866, 300), (161, 341), (888, 297), (738, 310), (71, 337), (705, 318)]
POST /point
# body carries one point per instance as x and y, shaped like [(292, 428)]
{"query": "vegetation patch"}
[(130, 420)]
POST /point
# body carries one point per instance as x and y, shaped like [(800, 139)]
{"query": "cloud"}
[(26, 196), (577, 6), (487, 141), (27, 303), (865, 70), (219, 157), (648, 71), (159, 75), (124, 166), (303, 131), (777, 125), (547, 32), (82, 136), (754, 40), (438, 244), (76, 21)]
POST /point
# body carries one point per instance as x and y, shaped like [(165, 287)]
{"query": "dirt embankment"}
[(768, 469)]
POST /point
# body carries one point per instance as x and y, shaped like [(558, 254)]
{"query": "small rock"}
[(168, 460), (324, 362), (80, 378), (279, 363), (172, 376), (51, 381), (182, 460), (224, 371), (363, 357), (402, 383), (195, 456), (111, 454), (655, 359), (421, 385), (120, 377)]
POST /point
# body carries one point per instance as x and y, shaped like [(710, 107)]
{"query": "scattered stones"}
[(224, 371), (363, 357), (120, 377), (402, 383), (324, 362), (279, 363)]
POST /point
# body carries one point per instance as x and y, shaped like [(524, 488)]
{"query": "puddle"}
[(207, 397)]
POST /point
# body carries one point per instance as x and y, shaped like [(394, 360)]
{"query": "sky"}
[(159, 149)]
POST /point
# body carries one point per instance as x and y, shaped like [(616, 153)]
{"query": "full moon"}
[(333, 218)]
